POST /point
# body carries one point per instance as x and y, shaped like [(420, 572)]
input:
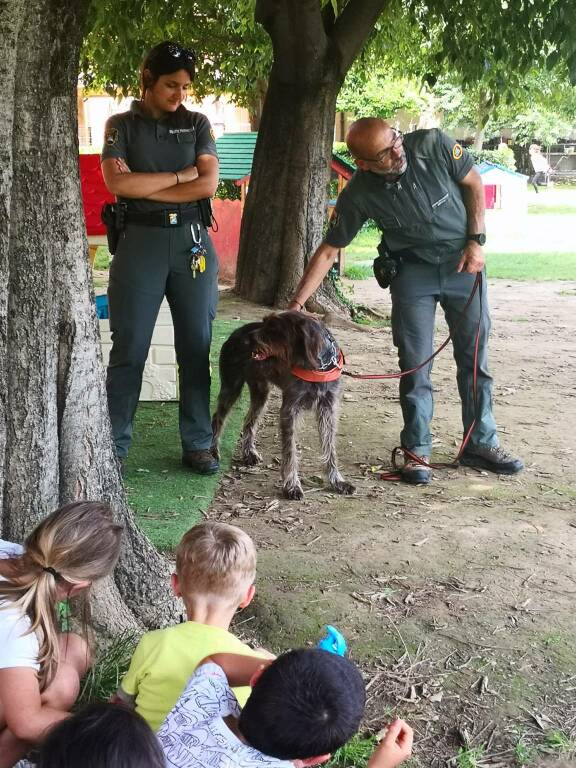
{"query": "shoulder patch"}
[(457, 151), (111, 137), (212, 135)]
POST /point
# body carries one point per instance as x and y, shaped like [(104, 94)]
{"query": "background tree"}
[(543, 107), (55, 441), (234, 53)]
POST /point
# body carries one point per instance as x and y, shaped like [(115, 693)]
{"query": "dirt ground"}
[(457, 598)]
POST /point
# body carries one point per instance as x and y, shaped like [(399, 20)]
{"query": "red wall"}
[(227, 213), (94, 193)]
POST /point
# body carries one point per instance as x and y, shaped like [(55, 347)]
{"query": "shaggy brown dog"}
[(280, 350)]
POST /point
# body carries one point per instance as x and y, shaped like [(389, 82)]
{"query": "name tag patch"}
[(440, 201)]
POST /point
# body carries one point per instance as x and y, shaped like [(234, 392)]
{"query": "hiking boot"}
[(416, 474), (492, 458), (202, 462)]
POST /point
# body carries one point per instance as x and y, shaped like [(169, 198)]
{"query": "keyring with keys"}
[(197, 253)]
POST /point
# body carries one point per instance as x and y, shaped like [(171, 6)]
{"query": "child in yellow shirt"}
[(215, 571)]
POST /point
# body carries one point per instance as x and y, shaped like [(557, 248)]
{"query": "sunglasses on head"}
[(178, 52)]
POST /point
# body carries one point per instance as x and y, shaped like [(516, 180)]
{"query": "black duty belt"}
[(169, 217)]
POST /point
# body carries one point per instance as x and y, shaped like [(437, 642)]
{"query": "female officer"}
[(159, 159)]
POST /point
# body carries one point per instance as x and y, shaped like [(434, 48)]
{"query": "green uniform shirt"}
[(422, 212), (151, 146)]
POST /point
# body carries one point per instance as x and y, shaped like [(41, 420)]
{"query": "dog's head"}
[(290, 337)]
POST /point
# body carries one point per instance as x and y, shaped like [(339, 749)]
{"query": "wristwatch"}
[(480, 239)]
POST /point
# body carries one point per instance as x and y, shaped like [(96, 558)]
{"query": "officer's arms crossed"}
[(194, 182), (315, 272), (473, 197), (204, 185), (121, 182)]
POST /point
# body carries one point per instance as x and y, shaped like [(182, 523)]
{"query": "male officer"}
[(427, 199)]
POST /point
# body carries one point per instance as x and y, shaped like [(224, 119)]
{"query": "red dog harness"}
[(318, 376)]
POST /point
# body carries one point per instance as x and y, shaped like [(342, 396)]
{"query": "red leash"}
[(396, 474)]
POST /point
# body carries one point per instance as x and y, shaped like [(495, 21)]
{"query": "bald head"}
[(377, 147), (367, 135)]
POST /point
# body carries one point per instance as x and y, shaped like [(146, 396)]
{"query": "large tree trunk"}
[(286, 205), (55, 440), (289, 173)]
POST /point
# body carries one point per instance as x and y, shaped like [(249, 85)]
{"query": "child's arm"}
[(395, 747), (238, 669), (26, 716)]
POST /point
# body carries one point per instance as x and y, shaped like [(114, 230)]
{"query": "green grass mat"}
[(166, 497)]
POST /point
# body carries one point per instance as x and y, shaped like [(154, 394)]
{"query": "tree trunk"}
[(285, 208), (256, 104), (485, 104), (55, 439), (286, 203)]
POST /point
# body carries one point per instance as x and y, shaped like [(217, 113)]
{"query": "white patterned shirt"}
[(194, 735)]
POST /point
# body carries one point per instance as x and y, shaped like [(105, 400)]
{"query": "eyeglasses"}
[(385, 153), (177, 51)]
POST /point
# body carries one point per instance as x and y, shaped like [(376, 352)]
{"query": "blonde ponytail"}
[(78, 543)]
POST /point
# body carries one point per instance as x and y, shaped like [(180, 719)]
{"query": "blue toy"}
[(333, 641)]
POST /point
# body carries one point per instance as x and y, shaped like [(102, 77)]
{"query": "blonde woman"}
[(40, 668)]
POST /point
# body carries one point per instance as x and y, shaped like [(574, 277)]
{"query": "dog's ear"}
[(312, 339)]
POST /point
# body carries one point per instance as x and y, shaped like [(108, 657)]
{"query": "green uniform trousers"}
[(150, 263), (415, 292)]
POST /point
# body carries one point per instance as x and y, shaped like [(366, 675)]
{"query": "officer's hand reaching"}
[(472, 260)]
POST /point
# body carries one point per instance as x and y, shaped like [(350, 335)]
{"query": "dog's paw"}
[(293, 492), (251, 458), (346, 489)]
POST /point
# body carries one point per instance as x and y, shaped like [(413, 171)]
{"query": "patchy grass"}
[(354, 754), (469, 758), (359, 272), (561, 744), (110, 666)]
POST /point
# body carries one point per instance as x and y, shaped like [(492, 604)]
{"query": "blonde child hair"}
[(216, 559), (78, 543)]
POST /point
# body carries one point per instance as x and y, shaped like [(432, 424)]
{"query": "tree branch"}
[(296, 30), (353, 27)]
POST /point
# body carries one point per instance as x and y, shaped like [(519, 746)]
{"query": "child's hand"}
[(395, 747)]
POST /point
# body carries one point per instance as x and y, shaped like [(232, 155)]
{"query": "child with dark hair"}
[(303, 706), (102, 736)]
